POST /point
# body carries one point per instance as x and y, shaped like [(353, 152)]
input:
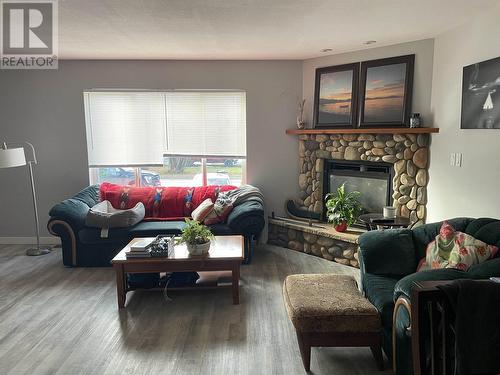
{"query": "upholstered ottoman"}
[(329, 310)]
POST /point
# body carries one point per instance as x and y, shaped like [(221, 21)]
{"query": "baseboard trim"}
[(29, 240)]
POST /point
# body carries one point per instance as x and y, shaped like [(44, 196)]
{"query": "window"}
[(170, 138)]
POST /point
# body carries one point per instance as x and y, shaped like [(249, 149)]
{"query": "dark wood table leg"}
[(121, 292), (236, 283)]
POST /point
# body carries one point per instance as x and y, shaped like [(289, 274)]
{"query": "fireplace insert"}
[(372, 179)]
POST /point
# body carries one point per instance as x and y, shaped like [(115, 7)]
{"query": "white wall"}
[(471, 190), (422, 80), (46, 108)]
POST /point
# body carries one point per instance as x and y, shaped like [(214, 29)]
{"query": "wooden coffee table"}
[(226, 254)]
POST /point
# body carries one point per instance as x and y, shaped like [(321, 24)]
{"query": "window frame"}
[(137, 169)]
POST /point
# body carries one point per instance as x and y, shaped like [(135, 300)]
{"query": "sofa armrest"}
[(404, 286), (401, 337), (247, 218), (389, 252), (72, 211), (485, 270), (66, 220)]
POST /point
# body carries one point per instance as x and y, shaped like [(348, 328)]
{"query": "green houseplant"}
[(197, 237), (343, 209)]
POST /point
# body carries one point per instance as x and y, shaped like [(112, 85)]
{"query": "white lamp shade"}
[(12, 157)]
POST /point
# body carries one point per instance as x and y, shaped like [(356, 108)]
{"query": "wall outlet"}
[(452, 159), (456, 159)]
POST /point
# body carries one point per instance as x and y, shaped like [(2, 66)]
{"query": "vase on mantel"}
[(300, 116)]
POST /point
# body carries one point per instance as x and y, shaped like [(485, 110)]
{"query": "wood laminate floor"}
[(56, 320)]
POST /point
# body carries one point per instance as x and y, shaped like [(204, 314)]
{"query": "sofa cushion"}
[(328, 303), (89, 195), (486, 230), (379, 291), (403, 286), (144, 229), (388, 252)]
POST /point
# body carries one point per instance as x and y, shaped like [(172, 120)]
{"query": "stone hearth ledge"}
[(323, 242)]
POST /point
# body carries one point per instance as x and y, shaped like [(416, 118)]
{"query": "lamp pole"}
[(38, 250)]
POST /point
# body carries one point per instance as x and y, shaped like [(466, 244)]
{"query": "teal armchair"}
[(388, 264)]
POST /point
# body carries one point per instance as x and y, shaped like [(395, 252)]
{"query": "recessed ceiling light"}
[(326, 50), (368, 42)]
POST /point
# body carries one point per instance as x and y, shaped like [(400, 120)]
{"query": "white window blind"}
[(139, 128), (206, 124), (125, 128)]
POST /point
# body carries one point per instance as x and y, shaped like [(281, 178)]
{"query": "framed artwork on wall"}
[(481, 95), (336, 95), (386, 87)]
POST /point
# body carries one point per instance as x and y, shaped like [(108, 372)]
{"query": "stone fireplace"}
[(408, 153), (393, 164)]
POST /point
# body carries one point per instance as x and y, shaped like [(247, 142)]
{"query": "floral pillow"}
[(453, 249)]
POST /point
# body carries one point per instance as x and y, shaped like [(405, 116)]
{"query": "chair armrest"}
[(72, 211), (389, 252), (247, 218)]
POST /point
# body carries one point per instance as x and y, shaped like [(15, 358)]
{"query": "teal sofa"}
[(388, 263), (82, 246)]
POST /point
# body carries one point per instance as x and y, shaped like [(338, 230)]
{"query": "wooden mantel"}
[(364, 131)]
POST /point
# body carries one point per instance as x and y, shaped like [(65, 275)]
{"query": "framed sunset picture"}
[(335, 98), (386, 90)]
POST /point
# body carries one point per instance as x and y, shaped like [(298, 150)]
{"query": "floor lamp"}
[(16, 157)]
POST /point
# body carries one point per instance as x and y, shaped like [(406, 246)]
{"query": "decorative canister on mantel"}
[(415, 120)]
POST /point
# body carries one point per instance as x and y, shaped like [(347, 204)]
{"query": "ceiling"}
[(249, 29)]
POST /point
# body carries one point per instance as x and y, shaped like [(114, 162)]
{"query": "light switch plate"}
[(452, 159), (458, 159)]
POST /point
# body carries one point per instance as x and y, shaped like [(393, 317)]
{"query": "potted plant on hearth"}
[(197, 237), (343, 209)]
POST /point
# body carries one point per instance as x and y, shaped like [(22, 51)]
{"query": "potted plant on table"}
[(342, 210), (197, 237)]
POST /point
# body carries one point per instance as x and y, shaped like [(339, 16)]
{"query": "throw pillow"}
[(453, 249), (222, 208), (103, 215), (219, 214), (201, 212)]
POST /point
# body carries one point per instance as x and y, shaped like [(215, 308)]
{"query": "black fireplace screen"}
[(372, 180)]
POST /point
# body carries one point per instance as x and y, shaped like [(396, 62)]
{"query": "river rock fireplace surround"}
[(407, 152), (405, 149)]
